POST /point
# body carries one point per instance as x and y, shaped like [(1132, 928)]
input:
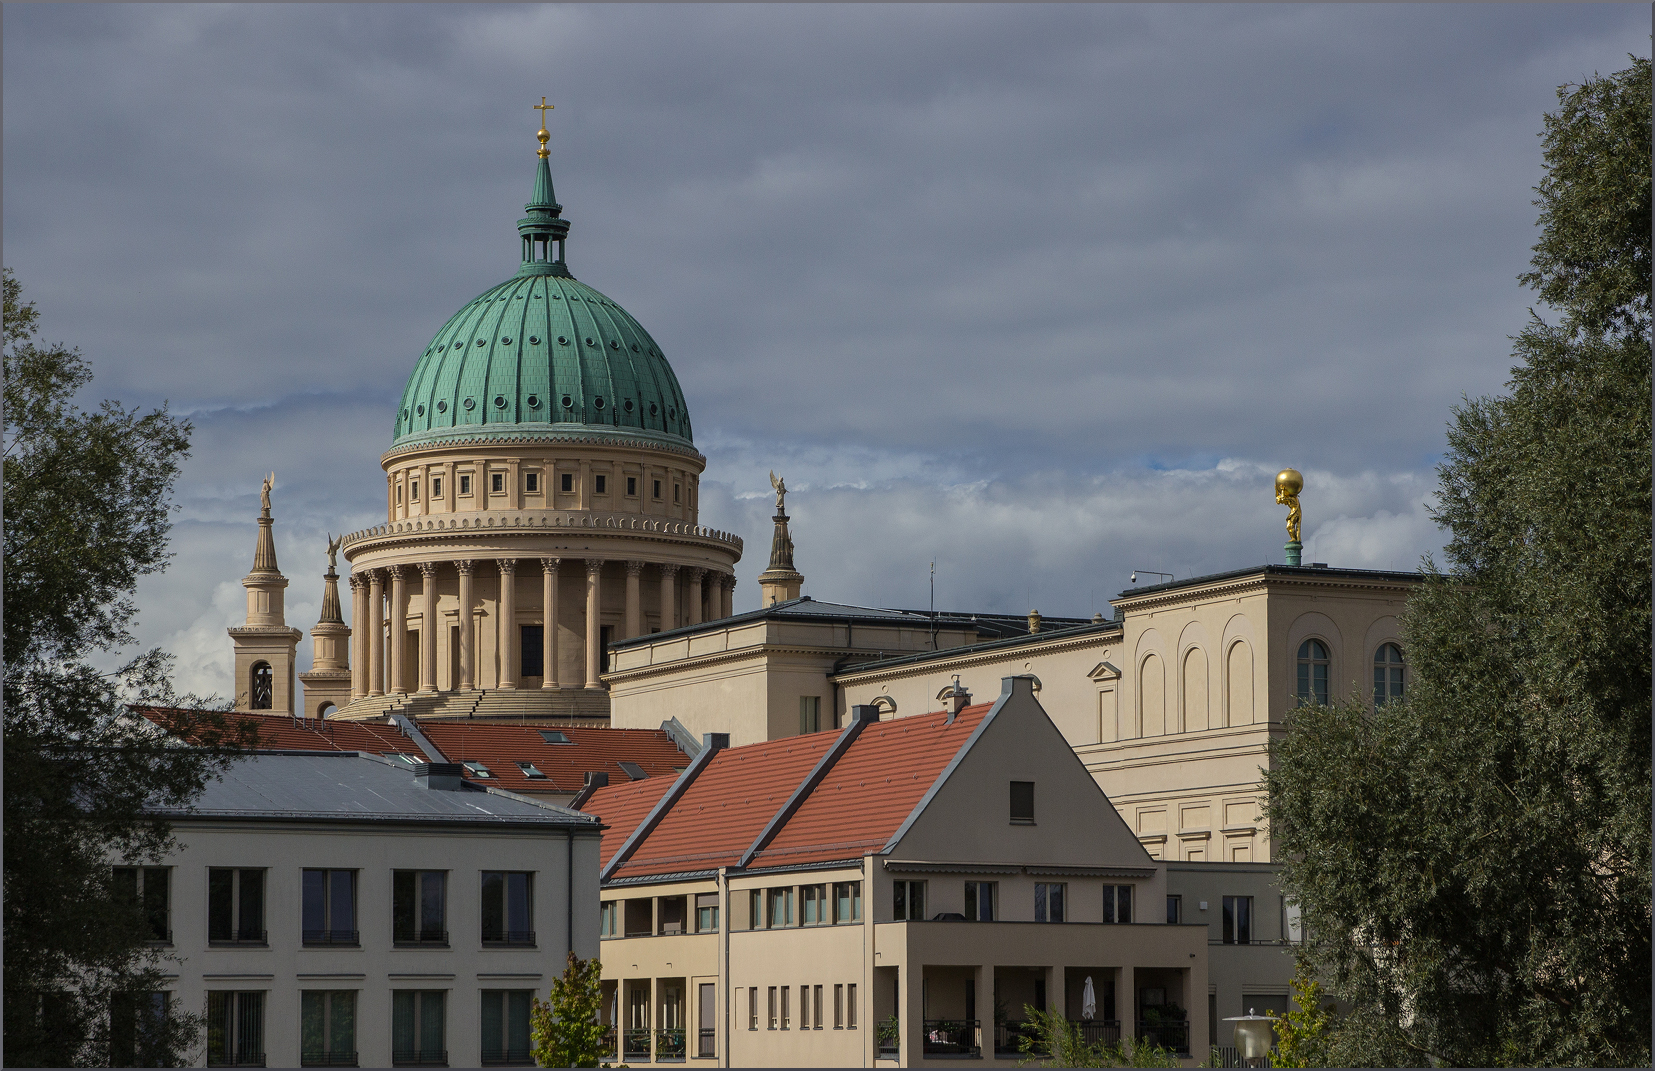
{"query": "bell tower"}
[(265, 646), (329, 679)]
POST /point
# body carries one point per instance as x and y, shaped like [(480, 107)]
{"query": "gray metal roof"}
[(348, 786), (1307, 572), (805, 608)]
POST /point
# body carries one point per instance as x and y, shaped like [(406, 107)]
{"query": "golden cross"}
[(543, 108)]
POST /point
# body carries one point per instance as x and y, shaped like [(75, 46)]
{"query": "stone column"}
[(359, 637), (1126, 1001), (376, 633), (508, 622), (669, 597), (548, 621), (399, 630), (694, 599), (634, 612), (729, 586), (594, 633), (468, 629), (428, 627)]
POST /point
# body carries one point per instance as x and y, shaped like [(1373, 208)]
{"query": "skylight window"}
[(555, 736), (633, 770), (530, 771), (477, 769), (401, 756)]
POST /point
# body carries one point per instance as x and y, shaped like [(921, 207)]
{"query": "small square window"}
[(555, 736), (568, 483), (531, 771), (465, 484), (601, 484), (632, 486), (497, 483), (1022, 803), (477, 769), (532, 482)]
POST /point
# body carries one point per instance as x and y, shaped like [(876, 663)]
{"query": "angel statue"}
[(264, 493), (781, 490), (1288, 485), (333, 551)]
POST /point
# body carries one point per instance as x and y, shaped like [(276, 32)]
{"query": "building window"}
[(506, 1027), (1238, 920), (235, 906), (328, 906), (327, 1028), (1387, 674), (508, 907), (235, 1029), (979, 901), (670, 915), (1175, 910), (632, 487), (706, 1020), (1048, 901), (399, 494), (531, 482), (465, 483), (567, 484), (263, 689), (657, 490), (838, 1007), (1292, 922), (1313, 663), (787, 1017), (608, 919), (816, 1006), (413, 490), (773, 1008), (850, 1006), (1022, 803), (755, 910), (813, 905), (150, 887), (533, 652), (753, 1008), (418, 914), (804, 1007), (600, 484), (847, 901), (706, 912), (1117, 903), (908, 900), (137, 1029), (497, 483), (417, 1027), (436, 487), (781, 907), (810, 713)]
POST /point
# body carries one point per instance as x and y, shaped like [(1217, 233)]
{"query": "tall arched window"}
[(264, 686), (1313, 662), (1387, 674)]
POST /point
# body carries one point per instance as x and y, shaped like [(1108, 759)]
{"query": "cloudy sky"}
[(1046, 294)]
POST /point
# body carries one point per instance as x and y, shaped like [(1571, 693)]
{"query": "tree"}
[(1049, 1039), (1474, 862), (566, 1028), (86, 515), (1302, 1034)]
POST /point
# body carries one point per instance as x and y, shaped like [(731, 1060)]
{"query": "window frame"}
[(566, 483), (465, 484), (324, 1057), (496, 486), (1237, 925), (710, 926), (608, 919), (240, 932), (1307, 688), (232, 1050), (400, 937), (1020, 807), (506, 936), (813, 900), (531, 486), (421, 1055), (506, 1055), (854, 889), (1390, 678), (600, 483), (1175, 909), (975, 902), (632, 487), (157, 916), (1050, 908), (903, 892), (1114, 909), (327, 935)]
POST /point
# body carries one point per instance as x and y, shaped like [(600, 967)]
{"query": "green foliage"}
[(890, 1029), (566, 1029), (1303, 1034), (1474, 863), (86, 515), (1049, 1039)]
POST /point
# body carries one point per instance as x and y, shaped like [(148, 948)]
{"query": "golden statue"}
[(543, 108), (1289, 482)]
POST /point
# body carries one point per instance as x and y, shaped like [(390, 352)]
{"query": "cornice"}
[(976, 658), (1254, 582), (459, 441), (720, 657), (534, 522)]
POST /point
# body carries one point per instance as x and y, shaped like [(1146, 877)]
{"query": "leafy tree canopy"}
[(1474, 862), (566, 1029)]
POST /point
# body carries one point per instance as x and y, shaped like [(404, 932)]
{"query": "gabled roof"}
[(856, 807), (283, 732), (590, 750)]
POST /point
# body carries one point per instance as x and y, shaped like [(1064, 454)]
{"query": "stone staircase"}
[(564, 706)]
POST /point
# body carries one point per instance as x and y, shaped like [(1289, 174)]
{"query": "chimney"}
[(956, 698), (597, 780), (715, 741), (594, 781), (1034, 621), (440, 776)]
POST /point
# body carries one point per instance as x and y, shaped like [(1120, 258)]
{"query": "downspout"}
[(569, 894), (724, 897)]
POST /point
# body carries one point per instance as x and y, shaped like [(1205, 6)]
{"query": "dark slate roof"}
[(351, 787), (1305, 572), (1017, 640), (805, 608)]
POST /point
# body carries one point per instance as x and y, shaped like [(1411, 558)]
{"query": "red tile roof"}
[(620, 808), (859, 804), (282, 732), (590, 750)]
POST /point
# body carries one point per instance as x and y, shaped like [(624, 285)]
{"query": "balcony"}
[(951, 1037), (635, 1043), (1230, 1056), (669, 1046), (1168, 1034), (324, 938), (509, 938), (606, 1044)]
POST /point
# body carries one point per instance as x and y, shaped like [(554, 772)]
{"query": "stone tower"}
[(780, 581), (265, 645), (329, 681)]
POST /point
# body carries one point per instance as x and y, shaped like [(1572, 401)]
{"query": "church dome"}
[(542, 356)]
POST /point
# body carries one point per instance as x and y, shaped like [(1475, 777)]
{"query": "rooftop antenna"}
[(1151, 572), (933, 604)]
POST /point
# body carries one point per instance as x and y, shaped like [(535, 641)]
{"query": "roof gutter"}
[(860, 717), (711, 745)]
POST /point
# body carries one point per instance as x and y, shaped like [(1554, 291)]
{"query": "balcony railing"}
[(707, 1044), (507, 1057), (1230, 1056), (951, 1037), (245, 936), (240, 1059), (327, 1059), (606, 1044), (419, 1057), (635, 1043), (331, 937), (1098, 1031), (1168, 1035), (420, 937), (890, 1039), (669, 1045), (522, 938), (1008, 1036)]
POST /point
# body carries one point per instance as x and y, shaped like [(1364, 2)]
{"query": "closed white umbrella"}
[(1088, 1000)]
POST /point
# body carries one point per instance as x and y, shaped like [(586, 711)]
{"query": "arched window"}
[(1387, 674), (264, 686), (1313, 664)]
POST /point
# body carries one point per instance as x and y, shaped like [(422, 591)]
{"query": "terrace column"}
[(359, 636), (594, 633), (1056, 998), (729, 602), (669, 597), (428, 627), (376, 633), (548, 622), (399, 630), (468, 642), (1126, 1002), (508, 621), (634, 612), (695, 595), (986, 1030)]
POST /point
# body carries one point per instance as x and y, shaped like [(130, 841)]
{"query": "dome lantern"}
[(542, 231)]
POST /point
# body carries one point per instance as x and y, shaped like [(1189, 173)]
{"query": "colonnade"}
[(711, 596)]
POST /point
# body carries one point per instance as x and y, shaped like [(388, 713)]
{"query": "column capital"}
[(594, 566), (372, 578), (550, 564), (463, 565), (429, 569), (395, 571), (355, 581), (668, 569), (508, 566), (729, 581), (633, 568), (695, 573)]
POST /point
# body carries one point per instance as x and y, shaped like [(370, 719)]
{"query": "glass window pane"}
[(313, 903), (403, 899), (1039, 902), (493, 906), (517, 1021), (431, 913), (403, 1039), (431, 1022), (342, 1028), (312, 1023), (220, 905), (251, 921), (493, 1020), (342, 900), (899, 905), (1056, 898), (1123, 903), (517, 905)]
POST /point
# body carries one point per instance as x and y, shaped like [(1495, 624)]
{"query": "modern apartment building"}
[(894, 893), (341, 909)]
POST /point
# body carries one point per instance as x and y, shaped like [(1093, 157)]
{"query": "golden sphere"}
[(1290, 480)]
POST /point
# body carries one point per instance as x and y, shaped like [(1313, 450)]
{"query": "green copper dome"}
[(542, 355)]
